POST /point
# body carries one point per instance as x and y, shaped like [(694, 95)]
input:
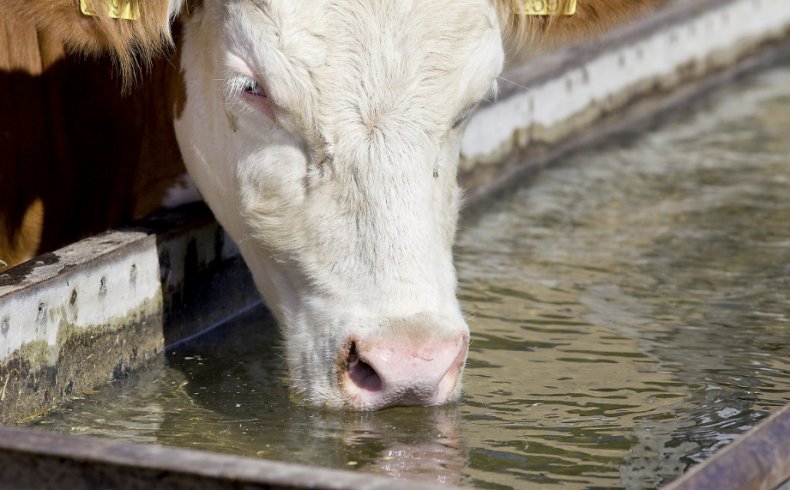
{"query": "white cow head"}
[(324, 135)]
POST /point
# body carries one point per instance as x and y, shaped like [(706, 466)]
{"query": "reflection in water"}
[(629, 315), (226, 391)]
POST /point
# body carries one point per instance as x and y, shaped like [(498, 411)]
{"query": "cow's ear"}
[(564, 20), (133, 31)]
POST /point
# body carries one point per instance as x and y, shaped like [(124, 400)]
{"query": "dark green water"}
[(630, 315)]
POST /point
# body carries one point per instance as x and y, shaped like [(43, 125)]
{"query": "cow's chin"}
[(347, 352)]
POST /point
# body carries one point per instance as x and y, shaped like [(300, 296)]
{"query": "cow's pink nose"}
[(379, 373)]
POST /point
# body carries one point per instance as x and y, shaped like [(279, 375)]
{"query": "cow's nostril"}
[(360, 372), (417, 370)]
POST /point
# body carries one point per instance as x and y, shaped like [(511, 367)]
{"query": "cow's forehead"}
[(370, 22), (370, 57)]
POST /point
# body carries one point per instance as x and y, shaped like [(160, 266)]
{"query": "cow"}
[(323, 134)]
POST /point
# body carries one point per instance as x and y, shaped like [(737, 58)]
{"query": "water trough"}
[(92, 312)]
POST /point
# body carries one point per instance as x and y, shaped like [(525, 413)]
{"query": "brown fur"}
[(78, 155), (131, 43)]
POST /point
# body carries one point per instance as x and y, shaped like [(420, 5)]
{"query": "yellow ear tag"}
[(115, 9), (544, 7)]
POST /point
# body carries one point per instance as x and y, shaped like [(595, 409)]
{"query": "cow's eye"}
[(253, 88), (245, 92), (460, 120), (243, 86)]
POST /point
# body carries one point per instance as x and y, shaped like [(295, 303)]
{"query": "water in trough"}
[(630, 315)]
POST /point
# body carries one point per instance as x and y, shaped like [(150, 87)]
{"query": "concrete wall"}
[(91, 312), (580, 93)]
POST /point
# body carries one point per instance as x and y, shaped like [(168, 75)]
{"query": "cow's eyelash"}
[(461, 119), (237, 86), (248, 94), (491, 94), (493, 91)]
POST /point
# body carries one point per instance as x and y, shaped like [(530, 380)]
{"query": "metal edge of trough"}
[(41, 460), (759, 459), (106, 305)]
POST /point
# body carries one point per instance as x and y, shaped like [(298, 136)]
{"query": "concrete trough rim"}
[(639, 117), (546, 68), (102, 248)]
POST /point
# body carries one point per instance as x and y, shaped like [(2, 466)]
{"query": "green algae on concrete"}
[(90, 313)]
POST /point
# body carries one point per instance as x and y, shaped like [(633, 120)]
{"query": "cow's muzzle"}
[(409, 368)]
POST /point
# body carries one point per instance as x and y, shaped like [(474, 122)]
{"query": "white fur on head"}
[(339, 185)]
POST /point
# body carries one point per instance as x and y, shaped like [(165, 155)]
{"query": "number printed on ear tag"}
[(116, 9), (545, 7)]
